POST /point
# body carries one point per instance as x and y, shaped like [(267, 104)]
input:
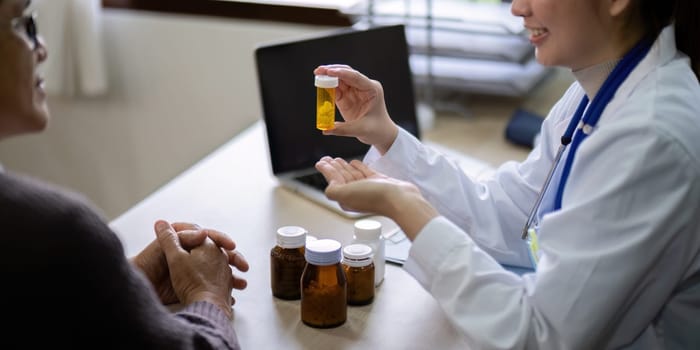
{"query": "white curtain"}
[(72, 30)]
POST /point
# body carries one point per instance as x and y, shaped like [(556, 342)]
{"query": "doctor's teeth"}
[(538, 31)]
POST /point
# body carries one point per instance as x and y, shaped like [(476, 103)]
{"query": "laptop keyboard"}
[(314, 180)]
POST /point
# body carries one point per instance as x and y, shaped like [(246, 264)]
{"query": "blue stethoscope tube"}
[(583, 121)]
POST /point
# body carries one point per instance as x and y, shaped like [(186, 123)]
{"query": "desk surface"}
[(233, 190)]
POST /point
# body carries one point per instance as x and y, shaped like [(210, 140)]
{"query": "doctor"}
[(612, 230)]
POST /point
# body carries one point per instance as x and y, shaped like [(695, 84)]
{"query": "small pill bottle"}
[(359, 271), (323, 285), (287, 262), (325, 101), (369, 232)]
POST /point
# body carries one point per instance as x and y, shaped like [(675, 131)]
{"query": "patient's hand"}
[(151, 261)]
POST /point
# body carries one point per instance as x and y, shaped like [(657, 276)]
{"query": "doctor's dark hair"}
[(685, 14)]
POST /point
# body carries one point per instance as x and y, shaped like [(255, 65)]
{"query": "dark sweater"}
[(64, 281)]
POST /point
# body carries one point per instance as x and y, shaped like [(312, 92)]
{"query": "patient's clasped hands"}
[(186, 263)]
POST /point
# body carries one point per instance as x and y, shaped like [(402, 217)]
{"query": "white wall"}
[(180, 86)]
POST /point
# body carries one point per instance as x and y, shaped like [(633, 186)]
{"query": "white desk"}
[(233, 190)]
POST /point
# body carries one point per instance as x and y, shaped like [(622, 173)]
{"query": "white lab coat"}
[(620, 262)]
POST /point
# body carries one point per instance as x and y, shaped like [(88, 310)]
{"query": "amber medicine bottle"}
[(359, 271), (287, 262), (325, 101), (323, 285), (369, 232)]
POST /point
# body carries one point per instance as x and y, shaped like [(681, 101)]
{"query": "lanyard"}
[(583, 122)]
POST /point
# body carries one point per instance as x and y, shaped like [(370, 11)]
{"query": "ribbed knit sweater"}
[(66, 283)]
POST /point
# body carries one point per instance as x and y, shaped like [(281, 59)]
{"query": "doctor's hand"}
[(153, 263), (360, 101), (356, 187)]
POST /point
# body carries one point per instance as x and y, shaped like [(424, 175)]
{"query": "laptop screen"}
[(288, 94)]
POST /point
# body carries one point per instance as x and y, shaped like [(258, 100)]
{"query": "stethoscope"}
[(584, 120)]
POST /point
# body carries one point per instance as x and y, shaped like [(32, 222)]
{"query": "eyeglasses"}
[(29, 23)]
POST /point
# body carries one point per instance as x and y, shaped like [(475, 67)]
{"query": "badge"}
[(533, 247)]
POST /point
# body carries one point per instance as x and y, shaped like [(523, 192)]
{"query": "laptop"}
[(288, 96)]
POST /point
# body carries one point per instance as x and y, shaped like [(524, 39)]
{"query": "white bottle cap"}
[(357, 255), (326, 81), (310, 238), (323, 252), (291, 237), (368, 229)]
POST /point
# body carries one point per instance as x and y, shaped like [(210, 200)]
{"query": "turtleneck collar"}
[(593, 77)]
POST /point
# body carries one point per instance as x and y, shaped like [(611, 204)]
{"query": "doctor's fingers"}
[(349, 172), (346, 129), (366, 171), (182, 226), (329, 172), (348, 196), (350, 78), (323, 69)]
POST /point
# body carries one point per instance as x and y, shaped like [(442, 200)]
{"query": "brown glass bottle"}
[(359, 271), (287, 262), (323, 285)]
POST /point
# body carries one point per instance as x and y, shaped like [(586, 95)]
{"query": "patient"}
[(64, 274)]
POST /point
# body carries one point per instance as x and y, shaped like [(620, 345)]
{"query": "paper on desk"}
[(396, 247)]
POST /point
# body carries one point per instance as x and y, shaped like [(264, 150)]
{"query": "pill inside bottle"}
[(325, 101)]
